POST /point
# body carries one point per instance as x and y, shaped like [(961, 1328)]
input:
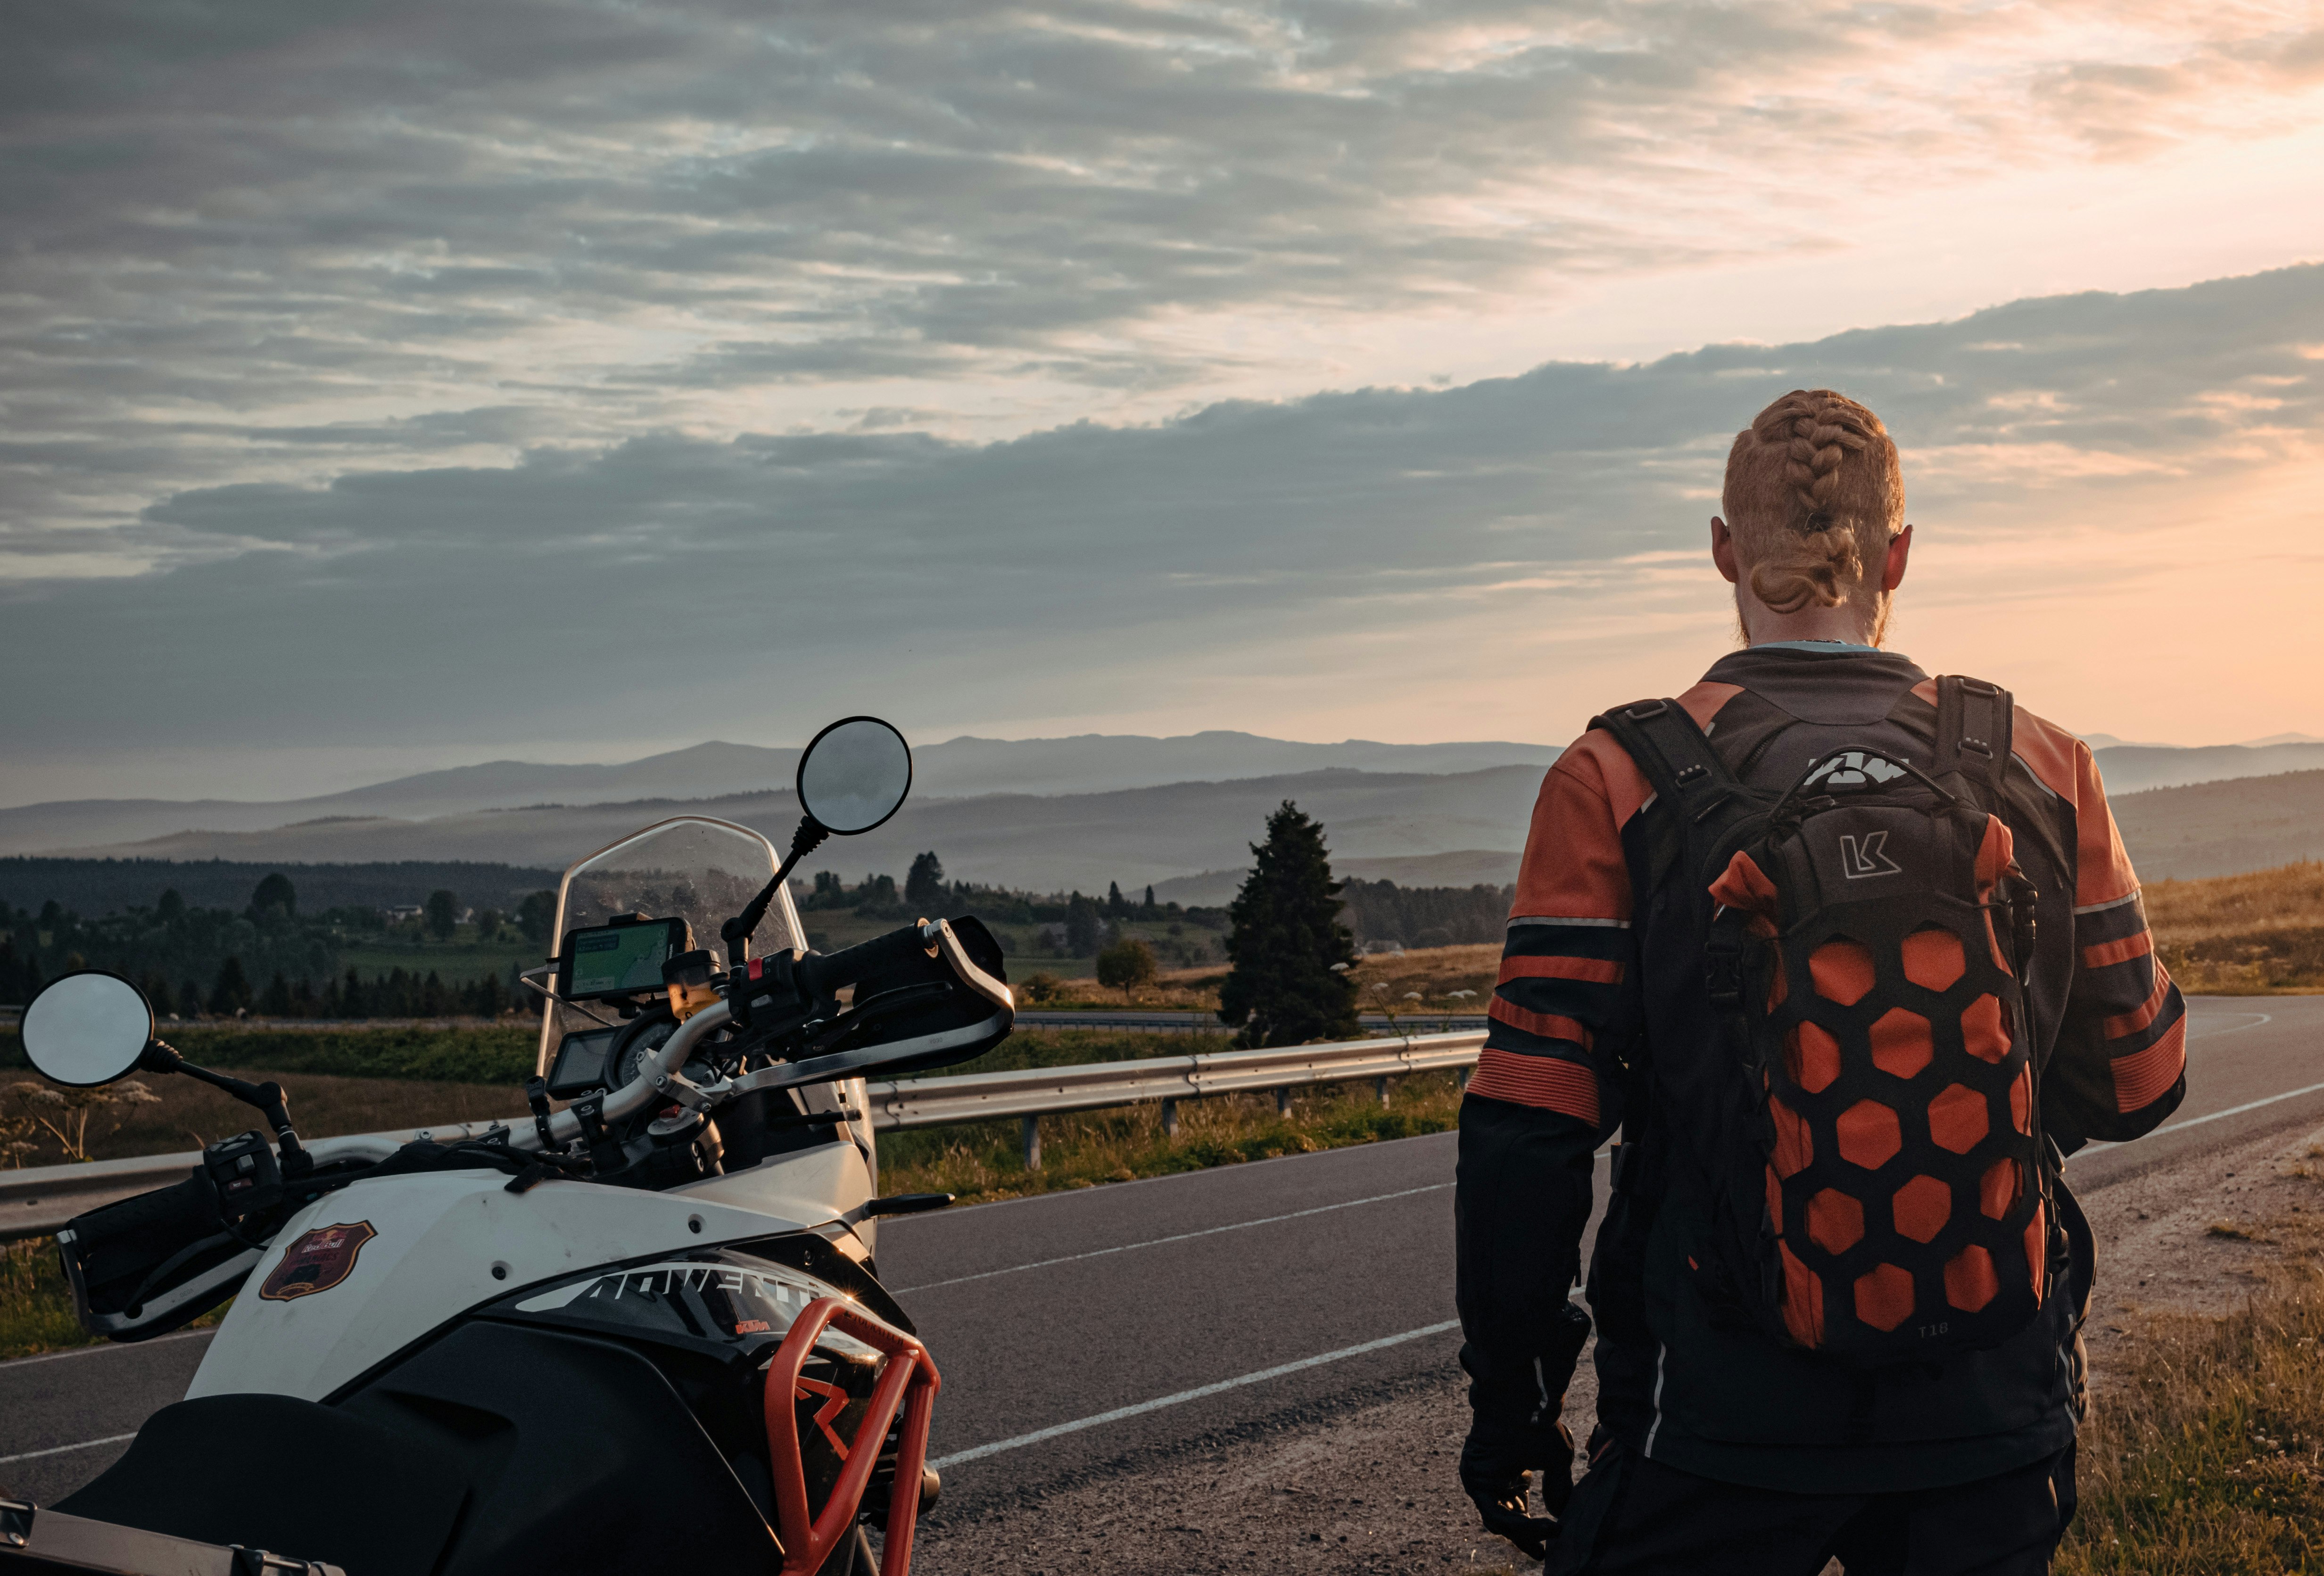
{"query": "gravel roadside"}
[(1372, 1488)]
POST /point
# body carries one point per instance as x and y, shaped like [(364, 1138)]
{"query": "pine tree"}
[(274, 892), (1115, 907), (1286, 936), (442, 914), (276, 1002), (1085, 929), (924, 887), (231, 994)]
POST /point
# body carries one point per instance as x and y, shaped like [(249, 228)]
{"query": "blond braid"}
[(1813, 493)]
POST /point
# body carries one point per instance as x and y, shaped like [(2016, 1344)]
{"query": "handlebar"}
[(819, 975), (824, 974)]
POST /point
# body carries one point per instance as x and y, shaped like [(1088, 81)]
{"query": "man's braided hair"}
[(1813, 493)]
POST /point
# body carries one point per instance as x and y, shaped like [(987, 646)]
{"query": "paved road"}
[(1287, 1290)]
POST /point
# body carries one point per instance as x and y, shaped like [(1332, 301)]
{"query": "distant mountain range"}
[(1451, 830), (2130, 768), (1046, 843), (2108, 742), (1055, 814), (957, 768)]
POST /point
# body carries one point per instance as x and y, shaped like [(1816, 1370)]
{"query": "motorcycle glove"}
[(1497, 1460)]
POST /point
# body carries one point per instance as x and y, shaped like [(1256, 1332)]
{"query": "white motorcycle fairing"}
[(443, 1243)]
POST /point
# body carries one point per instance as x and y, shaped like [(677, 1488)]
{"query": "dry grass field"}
[(2290, 897), (2204, 1453), (180, 1114), (2243, 935)]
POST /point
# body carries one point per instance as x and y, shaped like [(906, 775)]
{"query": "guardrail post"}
[(1031, 1128), (1379, 1087), (1170, 1120), (1283, 1101)]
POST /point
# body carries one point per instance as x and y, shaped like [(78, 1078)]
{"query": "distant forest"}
[(221, 938), (116, 886), (265, 956), (1425, 915)]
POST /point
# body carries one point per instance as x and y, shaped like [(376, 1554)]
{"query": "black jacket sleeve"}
[(1521, 1203)]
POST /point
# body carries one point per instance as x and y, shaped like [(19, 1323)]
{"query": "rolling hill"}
[(957, 768), (2223, 828), (1046, 843)]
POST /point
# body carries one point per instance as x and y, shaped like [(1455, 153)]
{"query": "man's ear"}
[(1900, 550), (1722, 550)]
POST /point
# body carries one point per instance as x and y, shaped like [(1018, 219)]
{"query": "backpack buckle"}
[(1645, 709), (1687, 774), (1980, 745)]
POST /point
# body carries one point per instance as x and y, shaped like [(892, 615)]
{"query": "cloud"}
[(333, 226), (407, 370), (744, 586)]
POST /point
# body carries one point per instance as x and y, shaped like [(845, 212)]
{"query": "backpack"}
[(1882, 1193)]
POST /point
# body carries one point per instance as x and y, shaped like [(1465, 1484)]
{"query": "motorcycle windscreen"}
[(693, 868)]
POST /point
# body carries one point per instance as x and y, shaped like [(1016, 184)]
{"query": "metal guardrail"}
[(1169, 1022), (36, 1202)]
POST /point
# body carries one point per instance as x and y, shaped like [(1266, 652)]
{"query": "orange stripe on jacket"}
[(1548, 1025), (1545, 1082), (1573, 866), (2145, 1076), (2129, 1023), (1595, 971), (2107, 953), (2102, 872)]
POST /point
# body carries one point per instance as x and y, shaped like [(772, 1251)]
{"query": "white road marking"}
[(1180, 1237), (17, 1362), (1118, 1413), (2199, 1028), (2197, 1121), (58, 1450)]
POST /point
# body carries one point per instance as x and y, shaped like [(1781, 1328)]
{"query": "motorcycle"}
[(642, 1329)]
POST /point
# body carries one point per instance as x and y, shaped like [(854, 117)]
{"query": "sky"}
[(392, 386)]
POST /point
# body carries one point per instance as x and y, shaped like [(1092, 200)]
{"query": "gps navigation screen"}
[(619, 958)]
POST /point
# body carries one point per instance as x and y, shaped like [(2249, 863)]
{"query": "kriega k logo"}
[(1865, 855)]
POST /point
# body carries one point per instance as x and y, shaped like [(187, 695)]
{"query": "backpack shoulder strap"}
[(1676, 755), (1974, 721)]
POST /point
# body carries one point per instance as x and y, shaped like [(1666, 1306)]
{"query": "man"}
[(1734, 1432)]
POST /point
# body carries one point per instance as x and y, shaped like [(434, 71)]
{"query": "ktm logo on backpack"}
[(1866, 856)]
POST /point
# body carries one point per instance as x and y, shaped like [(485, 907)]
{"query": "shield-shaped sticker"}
[(317, 1262)]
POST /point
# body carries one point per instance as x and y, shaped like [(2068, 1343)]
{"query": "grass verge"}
[(982, 1161), (36, 1309), (2207, 1457)]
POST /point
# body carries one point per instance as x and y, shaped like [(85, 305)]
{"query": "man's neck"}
[(1844, 626)]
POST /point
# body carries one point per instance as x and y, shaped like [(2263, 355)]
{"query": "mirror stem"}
[(267, 1097), (736, 932)]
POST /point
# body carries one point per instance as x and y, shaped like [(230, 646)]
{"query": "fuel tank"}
[(362, 1273)]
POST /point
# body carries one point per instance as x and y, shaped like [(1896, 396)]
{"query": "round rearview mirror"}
[(855, 775), (87, 1028)]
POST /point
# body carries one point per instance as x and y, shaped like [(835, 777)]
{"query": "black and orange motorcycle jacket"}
[(1600, 1024)]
